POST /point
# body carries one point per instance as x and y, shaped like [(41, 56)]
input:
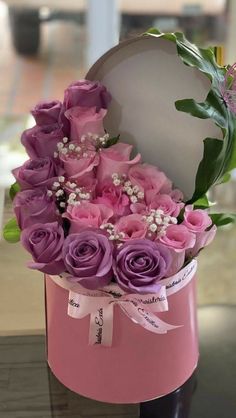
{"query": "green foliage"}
[(111, 141), (14, 189), (11, 231), (219, 156), (221, 219)]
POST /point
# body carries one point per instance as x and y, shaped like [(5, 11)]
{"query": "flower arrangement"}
[(89, 210)]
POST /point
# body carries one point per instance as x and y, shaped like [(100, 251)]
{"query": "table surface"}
[(29, 390)]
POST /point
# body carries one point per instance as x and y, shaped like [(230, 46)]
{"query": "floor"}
[(24, 81)]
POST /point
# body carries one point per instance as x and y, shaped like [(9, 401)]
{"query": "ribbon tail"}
[(147, 319), (101, 326)]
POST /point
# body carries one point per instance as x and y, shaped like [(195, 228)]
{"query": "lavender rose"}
[(37, 173), (41, 141), (140, 264), (88, 258), (86, 93), (47, 112), (34, 206), (44, 242)]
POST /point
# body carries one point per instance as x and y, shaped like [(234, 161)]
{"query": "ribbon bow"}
[(141, 309)]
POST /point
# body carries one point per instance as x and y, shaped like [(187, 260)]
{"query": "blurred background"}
[(46, 44)]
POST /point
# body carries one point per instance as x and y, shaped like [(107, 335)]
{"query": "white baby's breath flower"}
[(140, 195), (71, 147), (65, 140), (133, 199), (56, 184), (62, 204), (153, 227), (61, 179), (116, 182)]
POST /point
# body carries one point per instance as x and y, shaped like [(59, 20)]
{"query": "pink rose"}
[(149, 180), (84, 120), (115, 159), (177, 195), (77, 166), (178, 237), (167, 204), (132, 226), (203, 239), (196, 220), (177, 262), (113, 197), (87, 215), (86, 183)]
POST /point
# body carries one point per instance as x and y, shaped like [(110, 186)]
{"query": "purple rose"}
[(34, 206), (41, 141), (86, 93), (37, 173), (44, 242), (47, 112), (88, 258), (140, 264)]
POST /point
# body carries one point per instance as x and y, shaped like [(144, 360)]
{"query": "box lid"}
[(146, 76)]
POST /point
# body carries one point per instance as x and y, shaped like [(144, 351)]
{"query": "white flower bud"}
[(150, 219), (60, 145), (153, 227), (71, 147), (129, 191), (65, 140), (55, 154), (62, 204), (140, 195), (116, 182), (61, 179), (133, 199)]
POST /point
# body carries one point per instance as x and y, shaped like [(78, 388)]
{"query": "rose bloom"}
[(131, 226), (87, 94), (149, 180), (34, 206), (87, 183), (79, 166), (41, 141), (196, 220), (85, 120), (88, 258), (140, 264), (159, 201), (44, 242), (113, 197), (199, 222), (203, 239), (37, 173), (178, 237), (86, 215), (47, 112), (115, 159)]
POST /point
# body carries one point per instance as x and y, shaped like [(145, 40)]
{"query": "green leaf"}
[(111, 141), (219, 156), (225, 178), (11, 231), (14, 189), (221, 219), (202, 202), (207, 168)]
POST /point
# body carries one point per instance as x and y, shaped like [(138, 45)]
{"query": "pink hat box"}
[(145, 77)]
